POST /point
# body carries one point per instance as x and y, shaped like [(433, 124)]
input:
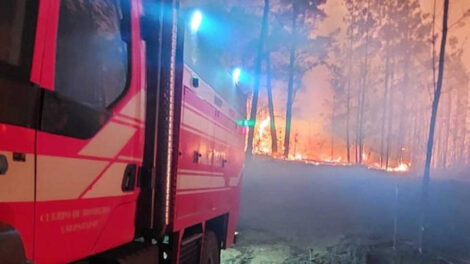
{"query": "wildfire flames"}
[(402, 167), (262, 146)]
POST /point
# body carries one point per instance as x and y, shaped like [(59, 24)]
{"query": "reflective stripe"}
[(109, 184), (135, 108), (109, 141), (60, 178), (202, 191), (186, 181), (17, 185)]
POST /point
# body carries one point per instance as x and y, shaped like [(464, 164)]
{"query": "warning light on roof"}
[(196, 21), (246, 123), (236, 75)]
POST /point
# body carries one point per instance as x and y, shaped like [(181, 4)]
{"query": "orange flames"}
[(262, 146), (263, 126), (264, 143), (402, 167)]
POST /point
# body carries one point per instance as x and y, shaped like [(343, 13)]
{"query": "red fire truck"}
[(112, 148)]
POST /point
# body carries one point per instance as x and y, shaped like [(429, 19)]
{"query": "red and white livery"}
[(111, 149)]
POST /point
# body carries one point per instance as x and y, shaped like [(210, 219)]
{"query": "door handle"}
[(128, 181), (196, 156), (3, 165), (21, 157)]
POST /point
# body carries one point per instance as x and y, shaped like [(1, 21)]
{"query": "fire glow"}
[(262, 146), (402, 167)]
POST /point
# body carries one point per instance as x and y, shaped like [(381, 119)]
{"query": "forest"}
[(349, 81)]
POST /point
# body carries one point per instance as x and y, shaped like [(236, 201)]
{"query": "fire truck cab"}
[(113, 147)]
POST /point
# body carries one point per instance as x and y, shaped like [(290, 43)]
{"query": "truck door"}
[(90, 139), (18, 116)]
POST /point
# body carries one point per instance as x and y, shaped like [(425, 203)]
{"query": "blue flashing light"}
[(196, 21), (237, 72)]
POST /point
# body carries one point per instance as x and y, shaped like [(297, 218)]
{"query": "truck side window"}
[(17, 32), (92, 59), (11, 29)]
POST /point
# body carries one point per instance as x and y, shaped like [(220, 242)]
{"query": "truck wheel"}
[(211, 249)]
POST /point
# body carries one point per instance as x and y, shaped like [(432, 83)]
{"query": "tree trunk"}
[(356, 129), (465, 146), (272, 123), (456, 127), (434, 46), (390, 116), (358, 113), (259, 58), (296, 140), (467, 129), (364, 88), (348, 105), (384, 103), (460, 123), (348, 89), (333, 105), (435, 106), (464, 125), (290, 88), (447, 129), (436, 156), (414, 137), (404, 101)]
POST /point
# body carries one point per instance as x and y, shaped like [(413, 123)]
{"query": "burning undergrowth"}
[(318, 154)]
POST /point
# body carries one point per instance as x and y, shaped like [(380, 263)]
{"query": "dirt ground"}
[(293, 212)]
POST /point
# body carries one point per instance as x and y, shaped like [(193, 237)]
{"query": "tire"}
[(210, 249)]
